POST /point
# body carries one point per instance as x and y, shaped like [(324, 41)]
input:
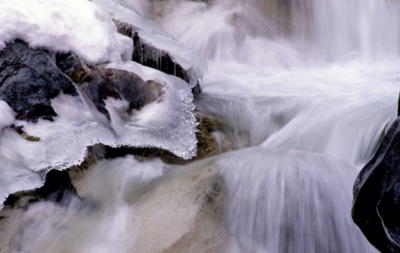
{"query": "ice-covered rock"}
[(145, 108), (64, 100), (153, 46)]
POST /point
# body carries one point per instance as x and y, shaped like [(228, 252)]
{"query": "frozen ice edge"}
[(169, 125), (154, 35), (80, 26)]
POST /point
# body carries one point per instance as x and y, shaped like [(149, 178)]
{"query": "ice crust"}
[(153, 34), (74, 25), (168, 123), (87, 29)]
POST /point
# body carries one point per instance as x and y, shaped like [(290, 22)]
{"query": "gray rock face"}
[(376, 204), (29, 79)]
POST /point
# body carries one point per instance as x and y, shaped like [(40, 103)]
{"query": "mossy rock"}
[(206, 145)]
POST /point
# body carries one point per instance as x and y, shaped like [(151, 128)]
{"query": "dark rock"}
[(57, 188), (150, 56), (120, 84), (29, 79), (73, 66), (376, 204), (153, 57)]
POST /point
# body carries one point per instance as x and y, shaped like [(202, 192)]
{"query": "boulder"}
[(376, 205), (151, 56), (120, 84), (29, 79), (182, 212)]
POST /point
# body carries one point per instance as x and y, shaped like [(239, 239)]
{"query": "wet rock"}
[(206, 142), (29, 79), (9, 222), (120, 84), (376, 204), (206, 145), (57, 188), (148, 55), (20, 130), (73, 66), (182, 212)]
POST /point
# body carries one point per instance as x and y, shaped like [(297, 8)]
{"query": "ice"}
[(153, 34), (74, 25), (6, 115), (168, 123), (87, 29)]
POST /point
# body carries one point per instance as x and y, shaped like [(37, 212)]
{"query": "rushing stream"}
[(305, 90)]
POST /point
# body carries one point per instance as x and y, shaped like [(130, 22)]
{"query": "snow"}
[(6, 115), (168, 123), (153, 34), (87, 29), (73, 25)]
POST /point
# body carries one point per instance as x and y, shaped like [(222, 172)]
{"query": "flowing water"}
[(305, 88)]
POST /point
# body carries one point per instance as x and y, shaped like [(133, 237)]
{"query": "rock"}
[(20, 130), (182, 212), (73, 66), (206, 145), (151, 56), (9, 222), (376, 203), (206, 142), (29, 79), (120, 84), (57, 188)]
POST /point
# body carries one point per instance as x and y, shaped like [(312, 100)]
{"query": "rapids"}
[(305, 90)]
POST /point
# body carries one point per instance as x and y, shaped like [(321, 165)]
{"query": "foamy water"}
[(305, 102)]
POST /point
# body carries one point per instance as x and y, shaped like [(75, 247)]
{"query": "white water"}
[(304, 102), (312, 101)]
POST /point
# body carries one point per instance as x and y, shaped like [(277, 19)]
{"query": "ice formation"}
[(87, 29)]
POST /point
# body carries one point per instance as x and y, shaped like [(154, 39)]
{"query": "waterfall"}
[(310, 86), (305, 90), (337, 28)]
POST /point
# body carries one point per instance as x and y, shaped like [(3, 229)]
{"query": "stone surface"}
[(148, 55), (182, 212), (29, 79), (120, 84), (376, 204)]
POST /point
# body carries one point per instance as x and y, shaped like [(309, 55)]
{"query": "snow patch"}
[(74, 25)]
